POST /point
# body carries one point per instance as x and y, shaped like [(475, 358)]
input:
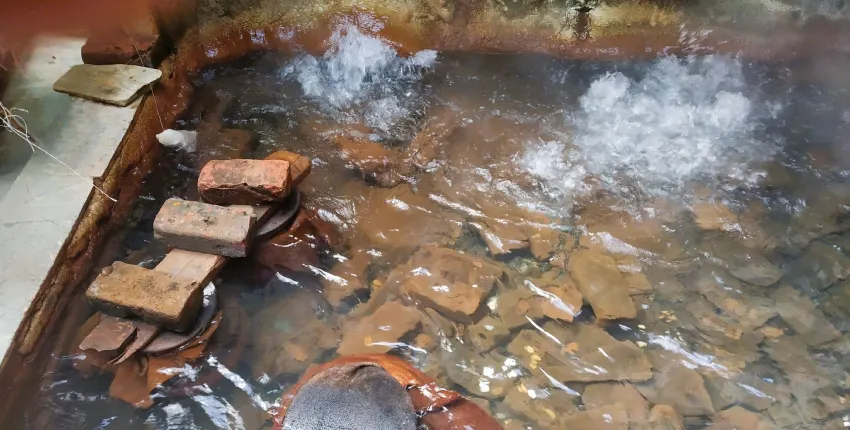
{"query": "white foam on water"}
[(684, 120), (362, 70)]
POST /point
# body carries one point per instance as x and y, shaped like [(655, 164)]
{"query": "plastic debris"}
[(180, 139)]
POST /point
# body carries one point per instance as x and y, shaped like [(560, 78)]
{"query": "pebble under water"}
[(646, 244)]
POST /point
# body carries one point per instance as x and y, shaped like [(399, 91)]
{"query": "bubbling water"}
[(685, 120), (361, 78)]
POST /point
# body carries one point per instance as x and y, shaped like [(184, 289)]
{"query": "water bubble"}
[(361, 78), (685, 120)]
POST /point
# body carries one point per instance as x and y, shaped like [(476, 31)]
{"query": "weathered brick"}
[(205, 228), (244, 182), (190, 265), (124, 290), (299, 165)]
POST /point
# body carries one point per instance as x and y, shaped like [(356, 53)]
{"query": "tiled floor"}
[(39, 198)]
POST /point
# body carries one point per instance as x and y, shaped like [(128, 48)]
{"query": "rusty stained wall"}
[(593, 29)]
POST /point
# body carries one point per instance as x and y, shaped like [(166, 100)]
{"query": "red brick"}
[(299, 165), (205, 228), (244, 182), (124, 290)]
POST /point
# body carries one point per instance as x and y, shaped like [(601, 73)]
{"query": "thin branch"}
[(15, 124)]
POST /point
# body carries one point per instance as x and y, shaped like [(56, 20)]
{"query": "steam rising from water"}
[(685, 120), (361, 78)]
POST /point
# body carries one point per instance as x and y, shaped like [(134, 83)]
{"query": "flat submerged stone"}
[(602, 284), (299, 165)]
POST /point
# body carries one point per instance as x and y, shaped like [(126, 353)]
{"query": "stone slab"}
[(124, 290), (116, 84), (299, 165), (192, 266), (244, 182), (381, 331), (602, 284), (205, 228)]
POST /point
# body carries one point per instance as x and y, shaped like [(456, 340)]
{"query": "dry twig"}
[(15, 124)]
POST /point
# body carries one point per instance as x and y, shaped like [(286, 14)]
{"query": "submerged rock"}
[(821, 265), (427, 146), (372, 160), (488, 333), (582, 353), (446, 280), (298, 247), (545, 405), (611, 417), (555, 296), (602, 284), (677, 386), (811, 376), (756, 393), (721, 333), (748, 265), (500, 237), (514, 307), (491, 211), (398, 220), (488, 375), (804, 317), (612, 229), (664, 417), (379, 332), (714, 216), (730, 295), (290, 336), (740, 418), (346, 279), (612, 393), (552, 295)]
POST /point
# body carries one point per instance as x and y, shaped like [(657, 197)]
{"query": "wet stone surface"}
[(573, 245)]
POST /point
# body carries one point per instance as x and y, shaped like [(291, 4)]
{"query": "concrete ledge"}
[(40, 199)]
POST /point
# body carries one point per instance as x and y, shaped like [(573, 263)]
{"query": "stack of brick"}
[(169, 312)]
